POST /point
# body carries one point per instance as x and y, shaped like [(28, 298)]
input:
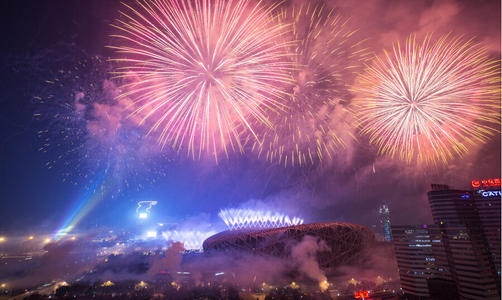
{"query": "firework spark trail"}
[(62, 112), (197, 71), (248, 218), (325, 55), (429, 102), (82, 129)]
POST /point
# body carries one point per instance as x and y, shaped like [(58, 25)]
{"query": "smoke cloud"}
[(305, 253)]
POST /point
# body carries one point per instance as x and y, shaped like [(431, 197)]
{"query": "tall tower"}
[(487, 198), (457, 257), (471, 264), (384, 220)]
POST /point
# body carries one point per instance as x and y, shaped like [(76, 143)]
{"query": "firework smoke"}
[(312, 127)]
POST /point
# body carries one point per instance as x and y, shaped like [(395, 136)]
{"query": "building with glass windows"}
[(458, 255)]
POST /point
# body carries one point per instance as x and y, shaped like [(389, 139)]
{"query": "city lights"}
[(151, 234), (143, 208), (192, 240), (107, 283), (141, 285), (361, 295), (323, 285)]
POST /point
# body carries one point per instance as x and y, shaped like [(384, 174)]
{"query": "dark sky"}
[(41, 37)]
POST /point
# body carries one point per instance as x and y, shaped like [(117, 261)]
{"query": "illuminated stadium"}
[(344, 240)]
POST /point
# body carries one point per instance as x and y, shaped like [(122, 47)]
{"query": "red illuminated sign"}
[(362, 295), (485, 183)]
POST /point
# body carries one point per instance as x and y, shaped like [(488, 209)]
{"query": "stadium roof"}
[(344, 241)]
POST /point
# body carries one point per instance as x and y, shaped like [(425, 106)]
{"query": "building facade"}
[(460, 252), (463, 236), (415, 257), (487, 200)]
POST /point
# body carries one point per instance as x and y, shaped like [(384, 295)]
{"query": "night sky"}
[(42, 37)]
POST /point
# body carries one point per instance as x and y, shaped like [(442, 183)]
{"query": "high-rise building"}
[(452, 207), (384, 220), (460, 254), (413, 246), (487, 198), (464, 241)]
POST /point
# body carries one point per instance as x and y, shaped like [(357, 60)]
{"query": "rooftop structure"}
[(344, 241)]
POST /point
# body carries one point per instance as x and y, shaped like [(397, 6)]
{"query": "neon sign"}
[(491, 193), (362, 295), (485, 182)]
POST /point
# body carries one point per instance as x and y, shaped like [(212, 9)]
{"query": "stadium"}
[(345, 242)]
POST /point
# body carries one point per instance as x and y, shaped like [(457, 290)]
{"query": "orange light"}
[(362, 294), (486, 182)]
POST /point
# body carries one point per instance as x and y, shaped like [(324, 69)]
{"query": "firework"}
[(62, 112), (429, 102), (312, 126), (82, 128), (247, 218), (192, 240), (199, 71)]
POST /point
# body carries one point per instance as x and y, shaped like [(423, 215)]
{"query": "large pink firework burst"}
[(199, 71), (325, 54), (429, 102)]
